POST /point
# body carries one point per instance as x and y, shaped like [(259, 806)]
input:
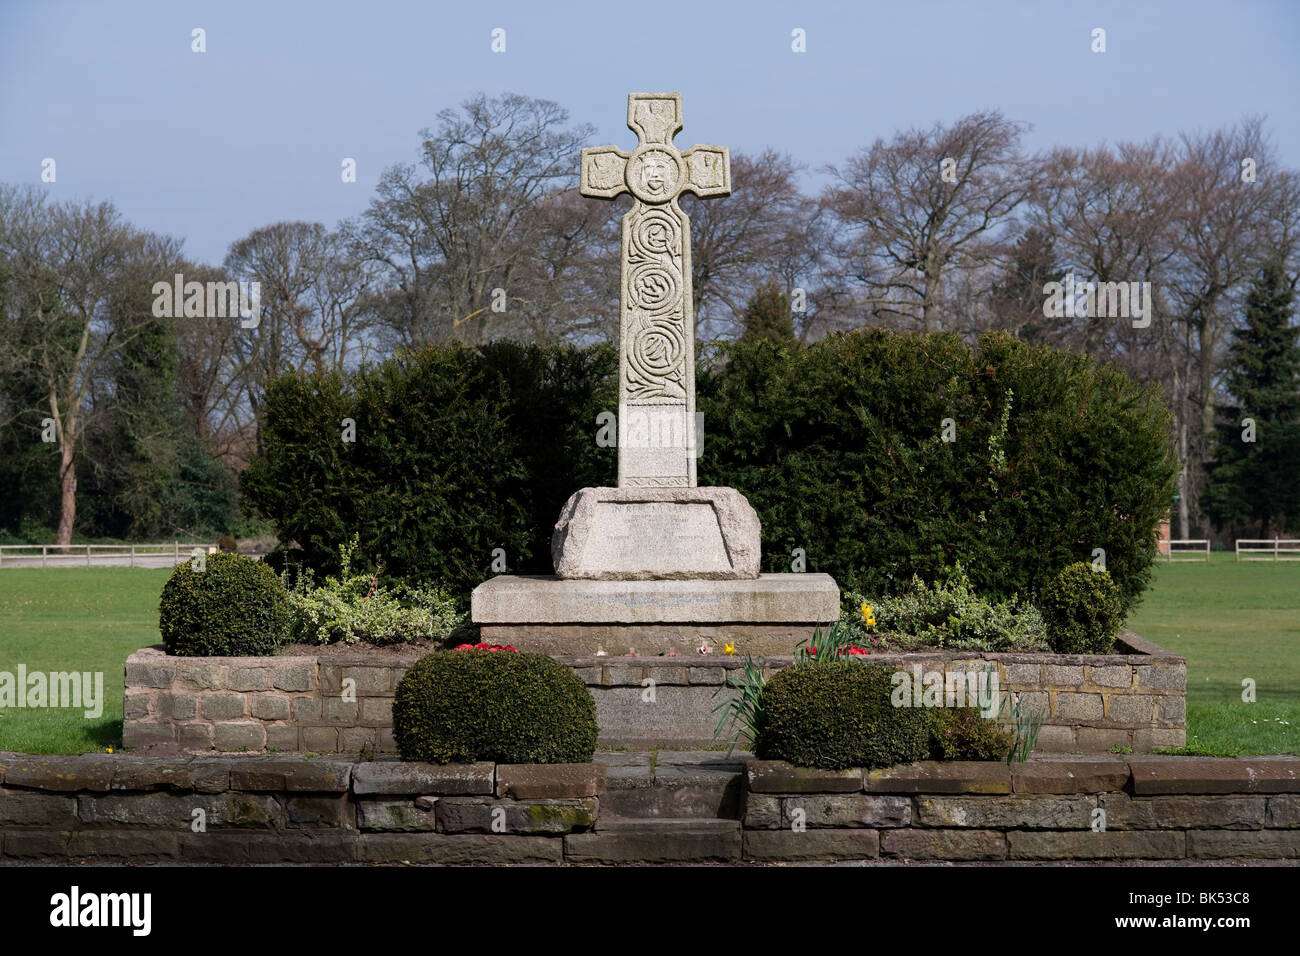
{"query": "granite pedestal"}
[(766, 615)]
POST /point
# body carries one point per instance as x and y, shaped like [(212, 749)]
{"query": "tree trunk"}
[(67, 493), (1183, 531), (929, 321)]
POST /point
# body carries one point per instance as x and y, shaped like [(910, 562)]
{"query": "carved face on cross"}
[(656, 177), (656, 171), (656, 397)]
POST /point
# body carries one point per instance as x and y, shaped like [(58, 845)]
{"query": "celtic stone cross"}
[(656, 395)]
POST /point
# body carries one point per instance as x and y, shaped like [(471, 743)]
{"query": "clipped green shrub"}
[(950, 614), (840, 449), (1083, 610), (961, 733), (838, 714), (235, 607), (466, 705)]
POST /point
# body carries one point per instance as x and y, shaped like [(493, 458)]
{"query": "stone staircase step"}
[(661, 840), (674, 792), (681, 784)]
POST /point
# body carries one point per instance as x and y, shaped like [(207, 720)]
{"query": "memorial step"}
[(662, 840), (694, 785)]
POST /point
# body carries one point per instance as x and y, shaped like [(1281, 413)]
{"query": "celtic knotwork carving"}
[(655, 288), (655, 360), (657, 482), (655, 234), (657, 346)]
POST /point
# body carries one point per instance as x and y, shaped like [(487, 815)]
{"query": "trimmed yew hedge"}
[(458, 452), (839, 447)]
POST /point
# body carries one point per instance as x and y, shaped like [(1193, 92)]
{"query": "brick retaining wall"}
[(297, 704), (1134, 698)]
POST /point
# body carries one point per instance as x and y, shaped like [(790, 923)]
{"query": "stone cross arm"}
[(656, 171)]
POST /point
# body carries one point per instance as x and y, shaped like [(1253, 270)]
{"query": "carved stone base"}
[(641, 534)]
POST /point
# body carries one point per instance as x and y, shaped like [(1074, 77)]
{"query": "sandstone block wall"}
[(315, 704), (332, 703)]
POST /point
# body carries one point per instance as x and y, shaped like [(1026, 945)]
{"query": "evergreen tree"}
[(767, 315), (1017, 295), (1255, 478)]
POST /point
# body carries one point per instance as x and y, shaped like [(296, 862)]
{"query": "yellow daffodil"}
[(729, 648), (868, 615)]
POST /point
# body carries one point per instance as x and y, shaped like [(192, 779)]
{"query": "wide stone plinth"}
[(656, 533), (767, 615)]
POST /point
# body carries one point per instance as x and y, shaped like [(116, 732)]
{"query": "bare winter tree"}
[(767, 229), (66, 266), (1109, 216), (911, 211), (313, 308), (473, 218), (1221, 226)]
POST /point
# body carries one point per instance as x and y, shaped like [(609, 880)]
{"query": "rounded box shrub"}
[(1083, 609), (235, 607), (466, 705), (962, 733), (837, 715)]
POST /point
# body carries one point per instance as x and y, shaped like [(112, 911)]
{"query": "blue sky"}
[(210, 146)]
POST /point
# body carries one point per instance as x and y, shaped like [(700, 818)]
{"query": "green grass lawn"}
[(1231, 621), (74, 619)]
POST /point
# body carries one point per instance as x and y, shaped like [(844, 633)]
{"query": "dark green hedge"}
[(458, 452), (838, 715), (236, 606), (838, 446), (463, 706)]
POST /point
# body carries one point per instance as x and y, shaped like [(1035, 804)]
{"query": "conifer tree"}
[(1255, 478)]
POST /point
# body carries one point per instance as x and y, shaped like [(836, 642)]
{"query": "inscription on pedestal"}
[(657, 536)]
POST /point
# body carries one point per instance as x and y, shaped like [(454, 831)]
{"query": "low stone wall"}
[(273, 810), (264, 809), (1133, 698), (342, 702), (327, 703), (1149, 808)]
